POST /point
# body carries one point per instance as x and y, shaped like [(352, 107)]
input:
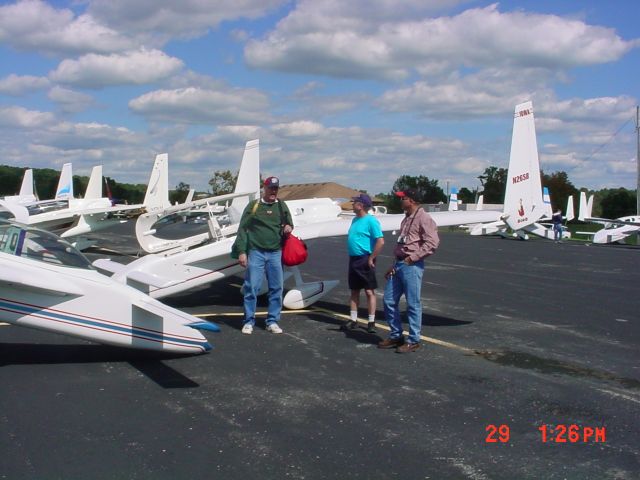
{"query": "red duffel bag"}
[(294, 251)]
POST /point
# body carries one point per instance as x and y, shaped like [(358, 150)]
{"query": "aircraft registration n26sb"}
[(46, 283)]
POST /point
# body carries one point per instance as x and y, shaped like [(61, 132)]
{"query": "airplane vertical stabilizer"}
[(570, 214), (65, 184), (480, 204), (585, 207), (26, 189), (546, 198), (523, 203), (94, 187), (248, 179), (453, 199), (157, 196)]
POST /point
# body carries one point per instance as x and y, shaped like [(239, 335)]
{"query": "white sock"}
[(354, 315), (372, 318)]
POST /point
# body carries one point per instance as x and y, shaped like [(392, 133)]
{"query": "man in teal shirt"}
[(364, 243)]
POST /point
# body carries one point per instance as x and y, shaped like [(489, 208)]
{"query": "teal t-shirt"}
[(363, 233)]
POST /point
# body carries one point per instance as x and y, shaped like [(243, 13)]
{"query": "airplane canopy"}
[(39, 245)]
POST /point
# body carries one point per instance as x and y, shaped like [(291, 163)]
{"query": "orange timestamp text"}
[(551, 434)]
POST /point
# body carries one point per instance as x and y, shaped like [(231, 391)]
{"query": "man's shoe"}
[(247, 329), (371, 327), (350, 325), (408, 347), (274, 328), (391, 343)]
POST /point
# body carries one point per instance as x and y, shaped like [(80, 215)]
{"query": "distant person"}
[(364, 243), (556, 219), (418, 238), (258, 248)]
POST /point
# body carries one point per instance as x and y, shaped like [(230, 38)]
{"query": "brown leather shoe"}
[(408, 347), (390, 343)]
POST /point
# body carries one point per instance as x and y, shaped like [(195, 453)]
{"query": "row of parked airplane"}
[(48, 284)]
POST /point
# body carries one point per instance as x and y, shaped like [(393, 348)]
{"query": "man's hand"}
[(287, 229), (242, 258), (372, 262), (390, 273)]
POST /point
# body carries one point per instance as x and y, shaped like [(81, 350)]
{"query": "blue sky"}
[(356, 92)]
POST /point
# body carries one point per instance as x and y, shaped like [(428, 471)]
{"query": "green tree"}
[(179, 195), (428, 191), (617, 203), (560, 188), (494, 183), (467, 196), (222, 182)]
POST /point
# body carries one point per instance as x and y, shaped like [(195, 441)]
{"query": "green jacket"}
[(261, 227)]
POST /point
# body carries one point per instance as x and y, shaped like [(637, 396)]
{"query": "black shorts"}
[(360, 275)]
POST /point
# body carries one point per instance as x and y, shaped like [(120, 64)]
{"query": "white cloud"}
[(18, 85), (69, 100), (19, 117), (137, 67), (168, 18), (37, 26), (224, 106), (313, 40)]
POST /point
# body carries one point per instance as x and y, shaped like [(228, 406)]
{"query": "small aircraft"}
[(177, 265), (47, 284), (615, 230), (72, 217), (525, 202), (27, 198), (26, 194)]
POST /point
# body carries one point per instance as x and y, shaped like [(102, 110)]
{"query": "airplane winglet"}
[(204, 325)]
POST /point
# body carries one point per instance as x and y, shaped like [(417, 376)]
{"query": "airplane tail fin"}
[(585, 206), (248, 179), (570, 214), (157, 196), (94, 187), (523, 203), (453, 199), (26, 189), (64, 191), (480, 204), (546, 198)]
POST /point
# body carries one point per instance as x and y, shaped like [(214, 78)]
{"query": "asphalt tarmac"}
[(529, 370)]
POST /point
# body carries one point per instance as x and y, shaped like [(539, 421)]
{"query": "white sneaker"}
[(274, 328), (247, 329)]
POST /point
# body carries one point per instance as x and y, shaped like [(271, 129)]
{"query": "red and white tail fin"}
[(523, 203)]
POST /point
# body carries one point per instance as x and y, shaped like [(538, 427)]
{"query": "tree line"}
[(608, 203)]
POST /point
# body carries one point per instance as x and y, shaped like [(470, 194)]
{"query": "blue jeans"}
[(557, 232), (408, 281), (263, 262)]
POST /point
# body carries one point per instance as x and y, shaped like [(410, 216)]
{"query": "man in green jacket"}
[(258, 248)]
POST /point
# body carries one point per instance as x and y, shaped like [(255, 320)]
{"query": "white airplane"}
[(72, 217), (47, 284), (27, 198), (524, 202), (174, 266), (26, 194), (615, 230)]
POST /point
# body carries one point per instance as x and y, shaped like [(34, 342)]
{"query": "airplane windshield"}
[(41, 246)]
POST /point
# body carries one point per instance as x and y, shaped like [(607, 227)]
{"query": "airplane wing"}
[(43, 281), (392, 222), (611, 222)]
